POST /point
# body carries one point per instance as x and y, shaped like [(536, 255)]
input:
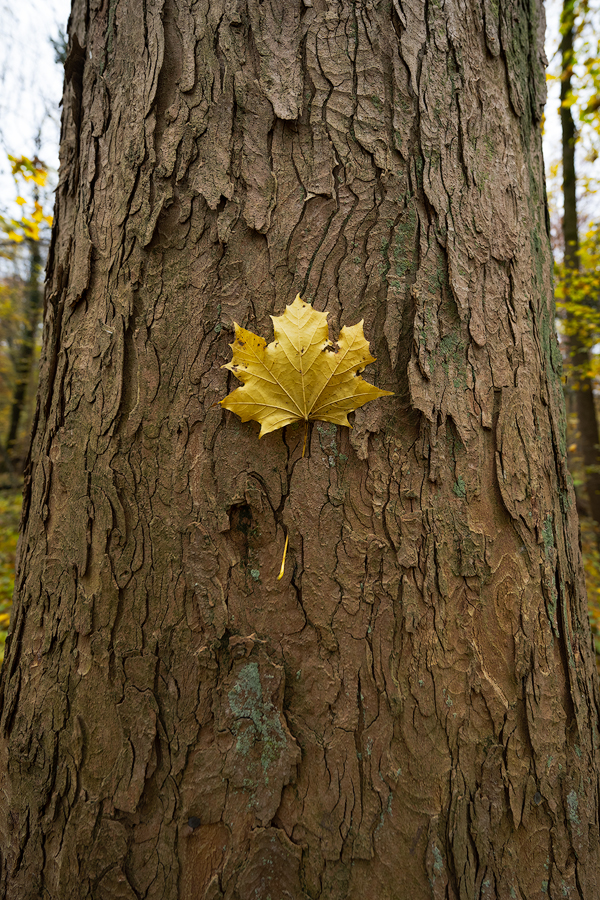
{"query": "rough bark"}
[(579, 351), (412, 710)]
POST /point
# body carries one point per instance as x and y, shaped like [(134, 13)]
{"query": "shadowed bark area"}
[(412, 710)]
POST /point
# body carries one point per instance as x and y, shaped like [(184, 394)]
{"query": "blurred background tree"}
[(32, 55), (23, 246), (573, 185)]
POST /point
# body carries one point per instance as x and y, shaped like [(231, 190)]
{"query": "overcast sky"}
[(31, 84)]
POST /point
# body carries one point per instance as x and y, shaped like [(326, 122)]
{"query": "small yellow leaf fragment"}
[(301, 375), (281, 571)]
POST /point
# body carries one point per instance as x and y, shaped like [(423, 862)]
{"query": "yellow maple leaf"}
[(301, 375)]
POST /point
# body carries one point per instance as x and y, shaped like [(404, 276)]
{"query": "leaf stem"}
[(280, 576)]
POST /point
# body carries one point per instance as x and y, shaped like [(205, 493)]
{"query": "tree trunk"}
[(412, 710), (579, 351), (25, 351)]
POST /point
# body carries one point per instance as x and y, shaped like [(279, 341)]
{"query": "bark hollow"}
[(412, 710)]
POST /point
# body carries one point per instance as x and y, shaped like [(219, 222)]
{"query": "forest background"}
[(30, 87)]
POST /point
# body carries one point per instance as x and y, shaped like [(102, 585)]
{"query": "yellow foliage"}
[(301, 375), (31, 169), (577, 293), (10, 509), (591, 565), (28, 226)]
